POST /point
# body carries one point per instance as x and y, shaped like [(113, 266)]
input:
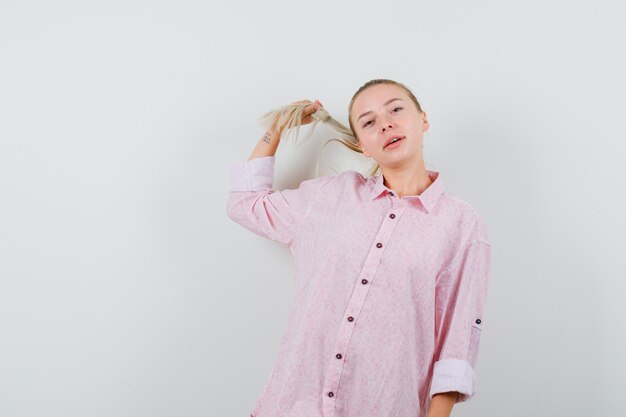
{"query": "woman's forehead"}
[(378, 95)]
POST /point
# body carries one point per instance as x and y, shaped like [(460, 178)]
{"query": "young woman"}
[(391, 272)]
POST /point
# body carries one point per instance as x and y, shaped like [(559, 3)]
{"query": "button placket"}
[(363, 284)]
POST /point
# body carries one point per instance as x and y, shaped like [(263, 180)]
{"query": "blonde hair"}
[(290, 116)]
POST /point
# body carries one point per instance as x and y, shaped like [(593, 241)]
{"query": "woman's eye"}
[(397, 108), (367, 123)]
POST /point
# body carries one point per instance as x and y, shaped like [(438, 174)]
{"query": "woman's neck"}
[(407, 181)]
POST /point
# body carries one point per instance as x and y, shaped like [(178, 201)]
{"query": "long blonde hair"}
[(290, 116)]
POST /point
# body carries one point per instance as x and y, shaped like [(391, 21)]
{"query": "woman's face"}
[(385, 111)]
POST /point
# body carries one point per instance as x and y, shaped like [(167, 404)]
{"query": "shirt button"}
[(363, 281), (338, 356), (330, 394), (393, 216), (390, 192), (379, 245), (478, 321), (350, 318)]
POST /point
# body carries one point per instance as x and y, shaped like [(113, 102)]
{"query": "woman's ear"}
[(365, 154), (425, 124)]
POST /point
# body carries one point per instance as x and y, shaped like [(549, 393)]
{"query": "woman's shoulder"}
[(463, 212), (342, 184), (342, 177)]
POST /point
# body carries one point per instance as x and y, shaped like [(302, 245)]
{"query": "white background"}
[(126, 291)]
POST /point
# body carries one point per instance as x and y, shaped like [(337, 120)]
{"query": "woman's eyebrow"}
[(368, 112)]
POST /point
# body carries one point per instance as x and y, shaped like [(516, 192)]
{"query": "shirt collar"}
[(428, 198)]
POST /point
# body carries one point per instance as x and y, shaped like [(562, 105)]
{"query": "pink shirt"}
[(388, 292)]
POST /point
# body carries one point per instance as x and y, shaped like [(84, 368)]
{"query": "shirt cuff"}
[(254, 175), (454, 375)]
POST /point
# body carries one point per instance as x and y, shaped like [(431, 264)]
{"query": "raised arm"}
[(252, 203)]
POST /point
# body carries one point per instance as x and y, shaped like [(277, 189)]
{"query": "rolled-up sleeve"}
[(276, 215), (459, 301)]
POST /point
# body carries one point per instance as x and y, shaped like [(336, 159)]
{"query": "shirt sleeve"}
[(276, 215), (459, 300)]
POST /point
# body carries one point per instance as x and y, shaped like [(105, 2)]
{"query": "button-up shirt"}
[(388, 292)]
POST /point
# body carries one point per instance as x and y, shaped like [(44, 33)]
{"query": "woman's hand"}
[(269, 142), (306, 115)]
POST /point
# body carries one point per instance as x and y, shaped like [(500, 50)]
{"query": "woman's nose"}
[(386, 123)]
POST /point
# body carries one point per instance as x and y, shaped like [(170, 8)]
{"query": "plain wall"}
[(125, 290)]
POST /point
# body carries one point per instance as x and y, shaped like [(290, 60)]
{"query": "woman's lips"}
[(394, 144)]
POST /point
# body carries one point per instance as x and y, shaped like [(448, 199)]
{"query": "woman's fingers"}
[(308, 110)]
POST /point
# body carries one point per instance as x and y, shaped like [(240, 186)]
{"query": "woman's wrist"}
[(267, 145), (442, 403), (268, 136)]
